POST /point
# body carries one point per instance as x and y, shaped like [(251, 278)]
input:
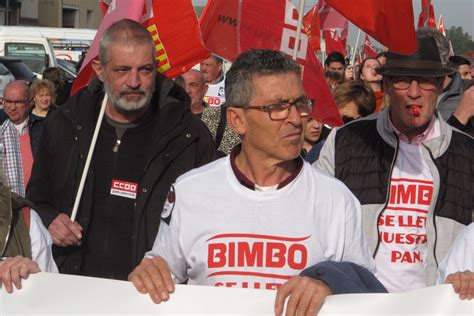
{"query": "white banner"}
[(46, 294)]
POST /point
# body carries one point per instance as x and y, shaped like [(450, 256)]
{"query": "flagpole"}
[(355, 47), (88, 160), (298, 30)]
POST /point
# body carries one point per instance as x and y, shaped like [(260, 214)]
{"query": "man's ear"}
[(96, 65), (236, 119)]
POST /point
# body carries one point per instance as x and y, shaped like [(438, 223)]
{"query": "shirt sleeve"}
[(167, 242), (41, 244), (460, 256), (355, 244)]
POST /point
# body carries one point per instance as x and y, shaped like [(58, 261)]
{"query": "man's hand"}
[(463, 283), (152, 276), (65, 232), (465, 109), (306, 296), (13, 269)]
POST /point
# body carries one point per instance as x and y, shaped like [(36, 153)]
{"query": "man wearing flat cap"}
[(412, 172)]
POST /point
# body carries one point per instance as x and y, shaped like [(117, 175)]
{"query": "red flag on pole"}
[(441, 25), (389, 22), (369, 49), (311, 26), (230, 27), (335, 28), (174, 29), (427, 17), (104, 6)]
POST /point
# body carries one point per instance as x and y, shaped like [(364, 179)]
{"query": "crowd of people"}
[(224, 179)]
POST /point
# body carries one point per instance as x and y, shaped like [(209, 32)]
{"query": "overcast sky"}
[(455, 12)]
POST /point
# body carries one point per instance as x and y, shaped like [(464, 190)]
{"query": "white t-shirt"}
[(41, 244), (221, 233), (460, 256), (402, 255), (215, 95)]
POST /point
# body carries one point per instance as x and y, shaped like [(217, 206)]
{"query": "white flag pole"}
[(355, 48), (88, 160), (298, 30)]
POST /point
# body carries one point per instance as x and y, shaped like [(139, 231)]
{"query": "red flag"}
[(173, 26), (427, 17), (359, 57), (311, 26), (369, 49), (230, 27), (441, 25), (335, 28), (104, 6), (389, 22)]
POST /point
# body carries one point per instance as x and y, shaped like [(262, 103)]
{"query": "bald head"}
[(16, 101), (196, 87)]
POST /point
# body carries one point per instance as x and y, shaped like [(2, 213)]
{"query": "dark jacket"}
[(14, 224), (35, 128), (182, 142), (345, 277)]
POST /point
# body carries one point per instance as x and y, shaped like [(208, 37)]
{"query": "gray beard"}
[(124, 106)]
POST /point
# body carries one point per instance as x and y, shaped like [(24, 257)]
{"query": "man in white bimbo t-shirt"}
[(257, 218)]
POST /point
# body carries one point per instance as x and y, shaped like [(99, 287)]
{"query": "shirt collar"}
[(246, 182), (427, 134), (22, 127)]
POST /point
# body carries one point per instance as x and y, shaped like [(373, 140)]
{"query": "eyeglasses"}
[(15, 102), (403, 83), (281, 110)]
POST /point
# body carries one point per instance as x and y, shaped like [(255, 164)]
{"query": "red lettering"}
[(393, 193), (277, 251), (406, 257), (214, 101), (425, 192), (406, 195), (402, 239), (244, 254), (292, 254), (231, 259), (387, 220), (124, 186), (216, 255), (250, 257), (396, 255)]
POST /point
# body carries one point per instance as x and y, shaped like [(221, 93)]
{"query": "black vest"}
[(363, 161)]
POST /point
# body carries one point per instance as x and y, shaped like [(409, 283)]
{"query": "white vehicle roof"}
[(52, 33)]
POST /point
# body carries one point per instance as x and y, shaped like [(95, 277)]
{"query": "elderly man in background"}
[(16, 136), (410, 170), (212, 70)]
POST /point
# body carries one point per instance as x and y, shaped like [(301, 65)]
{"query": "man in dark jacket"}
[(147, 139)]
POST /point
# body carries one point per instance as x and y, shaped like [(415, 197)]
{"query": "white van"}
[(36, 51), (67, 43)]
